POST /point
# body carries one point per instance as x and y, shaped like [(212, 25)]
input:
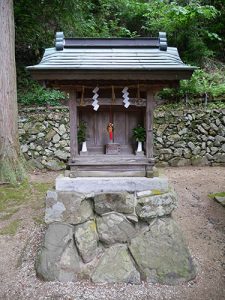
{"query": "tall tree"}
[(11, 167)]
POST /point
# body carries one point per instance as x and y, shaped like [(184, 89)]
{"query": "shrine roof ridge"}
[(159, 42)]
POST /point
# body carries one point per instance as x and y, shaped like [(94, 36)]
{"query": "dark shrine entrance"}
[(124, 120)]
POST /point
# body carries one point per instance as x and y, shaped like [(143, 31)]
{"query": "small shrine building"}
[(111, 83)]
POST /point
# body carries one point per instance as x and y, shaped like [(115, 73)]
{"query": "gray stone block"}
[(116, 265), (58, 259), (114, 228), (86, 238), (156, 206), (110, 184), (162, 255), (120, 202)]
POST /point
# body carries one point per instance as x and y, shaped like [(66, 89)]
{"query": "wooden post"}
[(149, 131), (73, 125)]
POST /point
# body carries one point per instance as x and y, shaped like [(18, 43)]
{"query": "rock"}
[(180, 144), (165, 151), (78, 208), (213, 150), (62, 155), (35, 162), (202, 130), (121, 202), (196, 150), (24, 148), (116, 265), (178, 152), (219, 157), (179, 162), (113, 184), (191, 146), (50, 135), (114, 228), (55, 165), (223, 148), (183, 131), (223, 120), (161, 164), (160, 140), (221, 200), (161, 129), (149, 207), (144, 194), (214, 127), (86, 238), (187, 153), (62, 129), (161, 253), (70, 207), (40, 135), (218, 140), (174, 138), (199, 160), (209, 156), (58, 259), (56, 138), (36, 128)]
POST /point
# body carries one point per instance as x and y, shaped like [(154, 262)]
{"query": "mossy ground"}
[(221, 194), (13, 198)]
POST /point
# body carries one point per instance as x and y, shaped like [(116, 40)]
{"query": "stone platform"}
[(112, 230)]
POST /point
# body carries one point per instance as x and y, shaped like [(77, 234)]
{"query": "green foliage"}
[(207, 82), (185, 25), (139, 133), (37, 95), (81, 133), (221, 194), (196, 28)]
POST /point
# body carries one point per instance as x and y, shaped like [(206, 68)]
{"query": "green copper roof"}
[(111, 54)]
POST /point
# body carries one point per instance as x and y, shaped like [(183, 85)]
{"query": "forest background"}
[(196, 28)]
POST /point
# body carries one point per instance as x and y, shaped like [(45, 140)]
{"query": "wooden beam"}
[(73, 125), (149, 123)]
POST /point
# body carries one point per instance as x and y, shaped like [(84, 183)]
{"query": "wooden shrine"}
[(111, 81)]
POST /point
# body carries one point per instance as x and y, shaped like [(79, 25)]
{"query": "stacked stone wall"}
[(181, 137)]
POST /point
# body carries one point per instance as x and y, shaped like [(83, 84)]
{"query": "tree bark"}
[(10, 161)]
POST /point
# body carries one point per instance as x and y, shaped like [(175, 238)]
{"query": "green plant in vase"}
[(139, 134), (82, 135)]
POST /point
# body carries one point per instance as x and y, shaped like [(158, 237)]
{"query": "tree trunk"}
[(11, 167)]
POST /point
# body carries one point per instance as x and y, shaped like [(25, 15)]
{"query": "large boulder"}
[(116, 265), (86, 238), (114, 228), (149, 207), (121, 202), (161, 253), (69, 207), (58, 259)]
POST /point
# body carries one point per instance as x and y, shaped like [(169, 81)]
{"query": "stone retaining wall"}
[(111, 237), (181, 138)]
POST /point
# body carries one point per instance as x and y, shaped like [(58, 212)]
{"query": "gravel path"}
[(201, 219)]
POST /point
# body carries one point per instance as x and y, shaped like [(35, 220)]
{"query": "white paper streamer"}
[(95, 98), (126, 97)]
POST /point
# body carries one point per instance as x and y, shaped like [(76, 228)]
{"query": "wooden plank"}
[(73, 125), (149, 123), (132, 74)]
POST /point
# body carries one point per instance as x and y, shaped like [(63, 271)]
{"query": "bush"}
[(37, 95)]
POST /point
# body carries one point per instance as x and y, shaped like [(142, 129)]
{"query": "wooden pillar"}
[(149, 132), (73, 125)]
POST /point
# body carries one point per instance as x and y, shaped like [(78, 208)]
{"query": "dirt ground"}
[(201, 219)]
